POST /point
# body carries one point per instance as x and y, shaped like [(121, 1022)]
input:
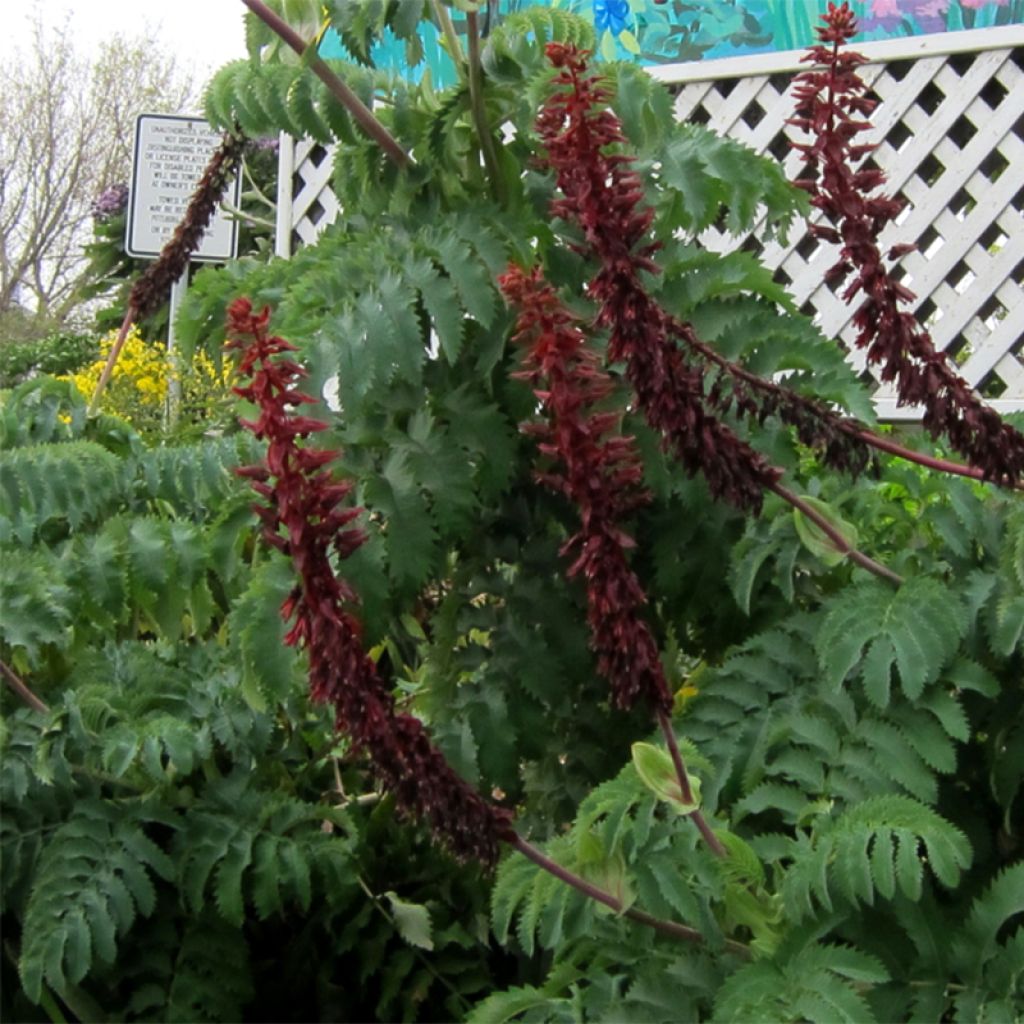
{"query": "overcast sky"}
[(202, 34)]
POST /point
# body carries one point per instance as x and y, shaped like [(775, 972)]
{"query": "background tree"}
[(68, 122)]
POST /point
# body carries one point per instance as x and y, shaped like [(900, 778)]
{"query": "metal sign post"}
[(178, 290)]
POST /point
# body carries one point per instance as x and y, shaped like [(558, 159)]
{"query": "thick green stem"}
[(49, 1005), (444, 22), (476, 101), (362, 114)]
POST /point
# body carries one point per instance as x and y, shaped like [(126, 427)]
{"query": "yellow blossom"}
[(139, 386)]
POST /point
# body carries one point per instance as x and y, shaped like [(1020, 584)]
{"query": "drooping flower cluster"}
[(304, 516), (603, 195), (152, 288), (600, 472), (829, 98), (838, 439)]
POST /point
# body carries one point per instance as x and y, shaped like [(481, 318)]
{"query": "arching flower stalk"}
[(829, 98), (603, 196), (600, 472), (305, 517)]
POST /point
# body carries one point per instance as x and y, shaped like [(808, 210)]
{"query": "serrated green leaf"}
[(412, 921), (410, 539), (228, 882)]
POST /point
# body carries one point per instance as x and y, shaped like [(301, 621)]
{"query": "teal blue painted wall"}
[(687, 30)]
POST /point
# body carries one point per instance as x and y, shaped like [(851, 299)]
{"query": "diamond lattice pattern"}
[(313, 203), (951, 141)]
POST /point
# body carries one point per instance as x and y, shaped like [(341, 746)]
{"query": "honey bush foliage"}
[(186, 838)]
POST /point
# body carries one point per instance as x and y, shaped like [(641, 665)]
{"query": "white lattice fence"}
[(305, 202), (951, 128)]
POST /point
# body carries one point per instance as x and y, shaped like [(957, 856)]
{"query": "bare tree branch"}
[(68, 124)]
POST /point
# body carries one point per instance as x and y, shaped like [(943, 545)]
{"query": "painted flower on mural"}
[(926, 9), (613, 20), (892, 15), (611, 15)]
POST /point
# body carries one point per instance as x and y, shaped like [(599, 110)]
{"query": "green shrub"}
[(56, 354)]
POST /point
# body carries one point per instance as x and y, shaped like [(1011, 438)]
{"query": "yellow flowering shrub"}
[(206, 398), (139, 387)]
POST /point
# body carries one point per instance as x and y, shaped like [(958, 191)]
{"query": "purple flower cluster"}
[(110, 202)]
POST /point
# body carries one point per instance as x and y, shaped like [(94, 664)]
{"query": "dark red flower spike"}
[(832, 103), (305, 518)]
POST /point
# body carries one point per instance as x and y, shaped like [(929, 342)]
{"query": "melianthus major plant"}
[(852, 744)]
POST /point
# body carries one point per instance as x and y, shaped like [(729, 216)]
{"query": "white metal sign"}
[(171, 153)]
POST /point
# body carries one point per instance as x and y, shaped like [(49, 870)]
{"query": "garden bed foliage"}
[(619, 514)]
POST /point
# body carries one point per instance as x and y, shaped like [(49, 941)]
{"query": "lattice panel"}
[(313, 203), (951, 132)]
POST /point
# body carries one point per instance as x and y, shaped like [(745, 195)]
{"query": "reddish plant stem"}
[(812, 408), (835, 536), (108, 366), (714, 843), (848, 426), (18, 685), (361, 113), (670, 928), (883, 444)]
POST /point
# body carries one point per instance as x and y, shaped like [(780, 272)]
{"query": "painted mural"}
[(672, 31)]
